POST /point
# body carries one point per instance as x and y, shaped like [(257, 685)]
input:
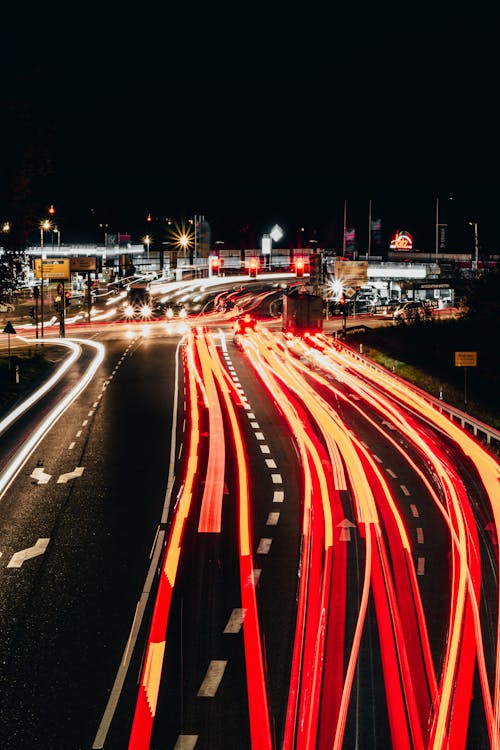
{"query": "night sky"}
[(252, 117)]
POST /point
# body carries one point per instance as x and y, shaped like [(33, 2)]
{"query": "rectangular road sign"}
[(465, 359), (53, 268), (351, 273), (83, 264)]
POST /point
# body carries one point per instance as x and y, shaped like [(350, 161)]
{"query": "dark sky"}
[(252, 117)]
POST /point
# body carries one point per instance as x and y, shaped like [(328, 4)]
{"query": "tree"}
[(481, 302)]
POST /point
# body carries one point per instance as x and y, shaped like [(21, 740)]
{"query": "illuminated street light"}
[(147, 241), (45, 226)]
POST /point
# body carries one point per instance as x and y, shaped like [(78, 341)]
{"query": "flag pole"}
[(369, 226), (343, 236)]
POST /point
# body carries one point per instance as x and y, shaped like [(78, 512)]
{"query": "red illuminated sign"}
[(401, 241)]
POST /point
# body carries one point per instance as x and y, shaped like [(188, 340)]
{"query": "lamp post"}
[(147, 241), (44, 227), (476, 246)]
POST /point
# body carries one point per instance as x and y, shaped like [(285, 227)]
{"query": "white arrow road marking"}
[(18, 558), (78, 471), (40, 476), (345, 530)]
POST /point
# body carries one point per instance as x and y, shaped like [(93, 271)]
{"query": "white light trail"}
[(22, 455)]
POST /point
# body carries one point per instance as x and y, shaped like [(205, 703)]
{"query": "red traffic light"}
[(299, 266), (252, 267), (215, 264)]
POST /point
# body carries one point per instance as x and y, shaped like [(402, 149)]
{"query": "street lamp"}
[(476, 246), (45, 226), (147, 241)]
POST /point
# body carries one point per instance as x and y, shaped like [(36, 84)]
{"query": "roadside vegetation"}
[(27, 369), (423, 352)]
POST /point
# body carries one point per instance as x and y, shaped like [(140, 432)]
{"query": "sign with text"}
[(83, 264), (53, 268), (351, 272), (465, 359)]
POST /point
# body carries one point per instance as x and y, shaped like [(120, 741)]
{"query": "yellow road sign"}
[(53, 268), (465, 359)]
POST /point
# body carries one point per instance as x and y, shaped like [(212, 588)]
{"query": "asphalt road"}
[(97, 496)]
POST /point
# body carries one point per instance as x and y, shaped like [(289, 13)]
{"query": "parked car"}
[(408, 311)]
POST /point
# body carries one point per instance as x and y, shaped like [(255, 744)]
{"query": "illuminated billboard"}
[(401, 240)]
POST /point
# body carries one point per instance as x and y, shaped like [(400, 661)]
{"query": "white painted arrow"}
[(78, 471), (18, 558), (345, 530), (40, 476)]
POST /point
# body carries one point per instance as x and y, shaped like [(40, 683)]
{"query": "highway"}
[(255, 542)]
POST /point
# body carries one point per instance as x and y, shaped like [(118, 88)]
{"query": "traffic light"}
[(343, 305), (252, 268), (214, 265), (67, 298), (299, 267)]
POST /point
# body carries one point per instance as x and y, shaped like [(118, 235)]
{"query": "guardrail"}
[(479, 429)]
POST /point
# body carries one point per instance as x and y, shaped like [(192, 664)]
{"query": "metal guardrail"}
[(479, 429)]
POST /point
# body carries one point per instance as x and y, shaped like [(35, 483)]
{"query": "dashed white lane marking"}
[(186, 742), (212, 679), (77, 472), (256, 575), (259, 436), (265, 449), (420, 535), (255, 425), (421, 566), (235, 621), (278, 496), (71, 446), (405, 490), (251, 415), (391, 473), (78, 433), (414, 510), (271, 463), (40, 476), (272, 519), (379, 460), (18, 558), (246, 405), (276, 479), (85, 422), (95, 404), (90, 413), (264, 546)]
